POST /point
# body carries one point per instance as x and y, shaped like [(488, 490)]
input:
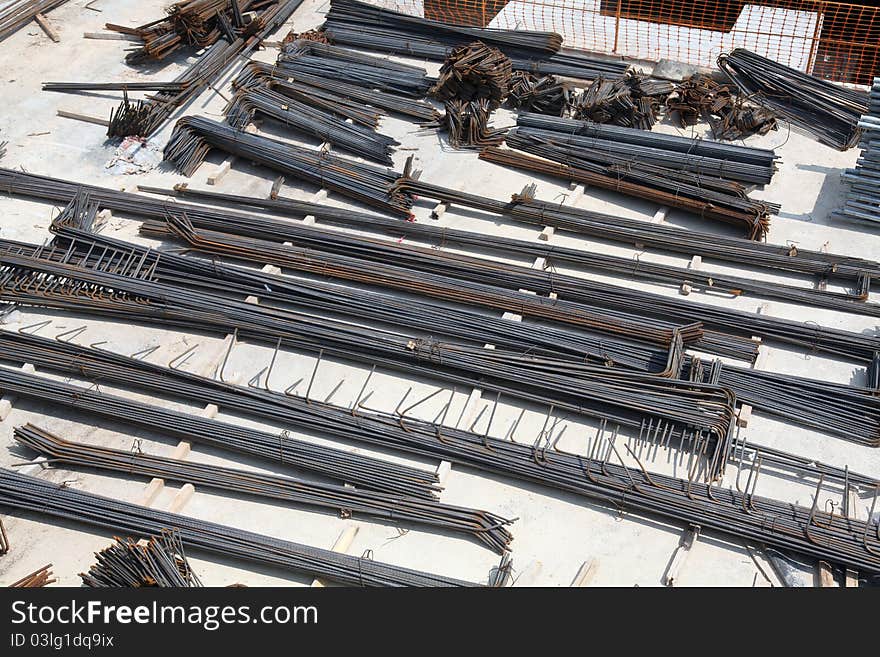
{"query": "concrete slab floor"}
[(557, 529)]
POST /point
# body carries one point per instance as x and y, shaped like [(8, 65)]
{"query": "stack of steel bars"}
[(43, 498), (37, 579), (18, 13), (352, 101), (542, 94), (158, 562), (194, 136), (362, 471), (195, 23), (145, 118), (362, 25), (709, 187), (622, 101), (355, 139), (827, 111), (863, 182), (486, 527), (343, 65), (846, 411)]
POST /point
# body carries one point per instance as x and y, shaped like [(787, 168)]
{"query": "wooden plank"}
[(110, 36), (83, 117), (48, 29), (586, 573), (826, 577), (682, 552)]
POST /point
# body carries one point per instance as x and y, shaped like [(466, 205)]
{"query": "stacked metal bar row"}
[(195, 136), (360, 103), (18, 13), (126, 563), (486, 527), (827, 111), (863, 181), (361, 25), (303, 117), (43, 498)]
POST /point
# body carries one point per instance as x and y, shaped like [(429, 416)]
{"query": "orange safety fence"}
[(834, 40)]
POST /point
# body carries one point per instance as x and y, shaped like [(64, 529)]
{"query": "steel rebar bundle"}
[(542, 94), (352, 101), (37, 579), (486, 527), (361, 25), (846, 411), (194, 23), (827, 111), (863, 181), (18, 13), (25, 493), (363, 471), (623, 397), (146, 118), (343, 65), (194, 136), (126, 563), (619, 101), (475, 272), (731, 117), (355, 139)]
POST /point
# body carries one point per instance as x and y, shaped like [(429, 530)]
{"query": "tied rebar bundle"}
[(542, 94), (863, 181), (731, 116), (192, 23), (631, 101), (305, 118), (126, 563), (44, 498), (37, 579), (195, 136), (474, 81), (350, 101), (827, 111), (488, 528), (343, 65)]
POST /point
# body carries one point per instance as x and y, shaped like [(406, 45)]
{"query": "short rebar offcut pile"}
[(127, 563), (829, 112), (863, 181)]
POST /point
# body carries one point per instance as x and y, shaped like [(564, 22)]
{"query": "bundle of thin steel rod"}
[(77, 87), (362, 471), (596, 476), (616, 101), (37, 579), (623, 397), (474, 71), (361, 25), (687, 192), (580, 149), (863, 181), (731, 117), (209, 67), (127, 563), (43, 498), (486, 527), (343, 65), (194, 136), (467, 123), (827, 111), (3, 145), (542, 94), (349, 100), (4, 539), (707, 281), (843, 343), (305, 118), (473, 273), (18, 13), (846, 411), (194, 23), (354, 11)]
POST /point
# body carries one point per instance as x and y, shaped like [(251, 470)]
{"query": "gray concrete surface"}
[(556, 529)]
